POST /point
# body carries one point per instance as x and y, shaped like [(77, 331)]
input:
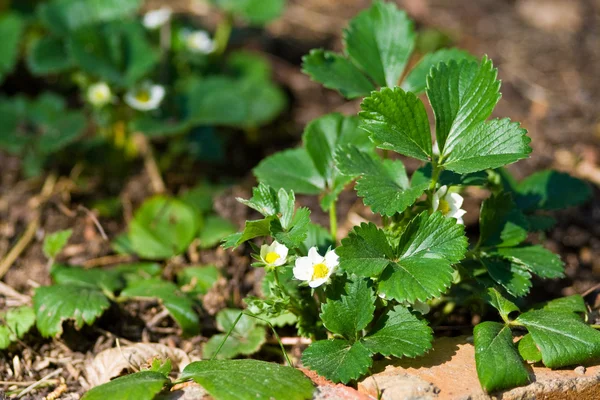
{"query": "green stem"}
[(333, 222), (435, 174), (595, 326), (223, 34), (227, 336)]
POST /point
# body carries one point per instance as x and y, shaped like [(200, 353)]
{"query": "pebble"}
[(580, 370)]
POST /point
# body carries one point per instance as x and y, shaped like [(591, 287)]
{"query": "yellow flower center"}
[(271, 257), (444, 207), (320, 271), (143, 96)]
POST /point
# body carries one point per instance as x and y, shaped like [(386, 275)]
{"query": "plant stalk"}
[(333, 222), (223, 33)]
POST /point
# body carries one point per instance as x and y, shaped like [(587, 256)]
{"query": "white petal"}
[(435, 148), (317, 282), (314, 256), (455, 200), (442, 191), (435, 202), (303, 270), (331, 260), (264, 250), (156, 18), (280, 249)]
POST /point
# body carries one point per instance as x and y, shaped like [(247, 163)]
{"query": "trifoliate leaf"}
[(424, 174), (143, 385), (102, 279), (380, 41), (562, 338), (366, 251), (462, 95), (400, 334), (316, 236), (49, 55), (291, 170), (573, 304), (536, 259), (338, 360), (252, 230), (197, 280), (427, 249), (215, 229), (249, 380), (14, 324), (551, 190), (264, 200), (293, 237), (501, 223), (487, 145), (499, 365), (500, 303), (352, 311), (245, 338), (54, 242), (162, 228), (528, 349), (11, 28), (397, 120), (336, 72), (382, 184), (57, 303), (179, 306), (416, 79), (512, 277)]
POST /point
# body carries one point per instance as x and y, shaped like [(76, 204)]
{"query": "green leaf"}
[(536, 259), (551, 190), (14, 324), (62, 16), (135, 272), (562, 338), (427, 249), (215, 229), (338, 360), (102, 279), (118, 53), (397, 120), (48, 55), (500, 303), (380, 41), (162, 228), (352, 311), (180, 307), (316, 236), (57, 303), (462, 96), (501, 222), (143, 385), (511, 276), (198, 280), (499, 365), (252, 230), (55, 242), (11, 29), (293, 237), (336, 72), (246, 337), (486, 145), (366, 251), (249, 380), (264, 199), (291, 170), (528, 349), (382, 184), (574, 304), (400, 334), (416, 80), (256, 12)]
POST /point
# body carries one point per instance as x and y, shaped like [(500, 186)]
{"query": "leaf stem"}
[(223, 33), (333, 222), (227, 336), (595, 326), (435, 174)]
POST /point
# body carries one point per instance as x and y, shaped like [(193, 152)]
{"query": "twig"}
[(36, 384), (7, 291), (158, 185), (590, 290), (95, 220), (27, 383), (21, 245), (107, 260)]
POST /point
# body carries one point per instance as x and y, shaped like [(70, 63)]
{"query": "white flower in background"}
[(199, 42), (420, 307), (316, 269), (145, 97), (156, 18), (274, 254), (449, 204), (99, 94)]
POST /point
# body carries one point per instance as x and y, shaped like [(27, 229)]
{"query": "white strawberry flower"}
[(156, 18), (449, 204), (316, 269), (199, 42), (274, 254), (99, 94), (145, 97)]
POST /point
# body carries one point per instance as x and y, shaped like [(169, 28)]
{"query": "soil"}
[(548, 55)]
